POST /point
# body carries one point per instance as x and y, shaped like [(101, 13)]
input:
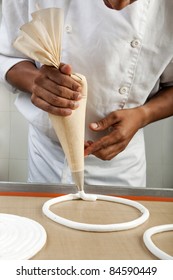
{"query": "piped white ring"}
[(151, 246), (20, 238), (96, 227)]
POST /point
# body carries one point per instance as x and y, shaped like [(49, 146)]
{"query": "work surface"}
[(64, 243)]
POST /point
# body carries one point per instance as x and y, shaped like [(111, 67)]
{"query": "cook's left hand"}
[(122, 124)]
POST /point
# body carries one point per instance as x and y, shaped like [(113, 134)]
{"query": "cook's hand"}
[(55, 91), (122, 124)]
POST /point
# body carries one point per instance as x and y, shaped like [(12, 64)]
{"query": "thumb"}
[(101, 125), (65, 69), (105, 123)]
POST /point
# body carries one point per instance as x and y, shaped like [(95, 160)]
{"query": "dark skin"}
[(125, 123), (118, 4), (54, 91), (51, 89)]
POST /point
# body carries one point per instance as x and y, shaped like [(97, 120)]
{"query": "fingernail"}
[(86, 153), (79, 89), (77, 96), (75, 105), (94, 125)]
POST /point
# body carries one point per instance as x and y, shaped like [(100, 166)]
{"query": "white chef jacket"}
[(126, 57)]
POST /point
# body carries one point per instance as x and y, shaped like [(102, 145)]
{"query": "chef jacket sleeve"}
[(166, 78), (14, 15)]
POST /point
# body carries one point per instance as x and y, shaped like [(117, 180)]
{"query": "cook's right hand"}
[(55, 91)]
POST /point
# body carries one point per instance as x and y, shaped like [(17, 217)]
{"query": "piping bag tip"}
[(86, 196), (78, 178)]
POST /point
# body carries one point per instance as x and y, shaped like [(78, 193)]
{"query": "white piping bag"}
[(40, 39)]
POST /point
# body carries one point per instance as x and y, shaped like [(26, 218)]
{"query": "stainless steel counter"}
[(10, 187)]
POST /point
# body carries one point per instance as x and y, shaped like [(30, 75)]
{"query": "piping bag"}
[(40, 39)]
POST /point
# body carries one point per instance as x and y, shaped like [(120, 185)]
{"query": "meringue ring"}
[(95, 227), (21, 238), (151, 246)]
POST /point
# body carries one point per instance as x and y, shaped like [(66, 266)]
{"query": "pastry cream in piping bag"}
[(40, 39)]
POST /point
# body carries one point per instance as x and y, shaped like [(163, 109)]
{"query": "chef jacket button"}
[(135, 43), (123, 90), (68, 28)]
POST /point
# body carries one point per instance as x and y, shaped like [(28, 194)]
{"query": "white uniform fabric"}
[(126, 57)]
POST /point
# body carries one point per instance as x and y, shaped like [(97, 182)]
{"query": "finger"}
[(86, 145), (104, 123), (102, 143), (47, 107), (53, 99), (65, 69), (110, 152), (59, 90), (112, 138), (60, 78)]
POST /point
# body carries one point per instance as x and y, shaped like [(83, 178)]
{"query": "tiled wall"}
[(13, 139), (159, 150)]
